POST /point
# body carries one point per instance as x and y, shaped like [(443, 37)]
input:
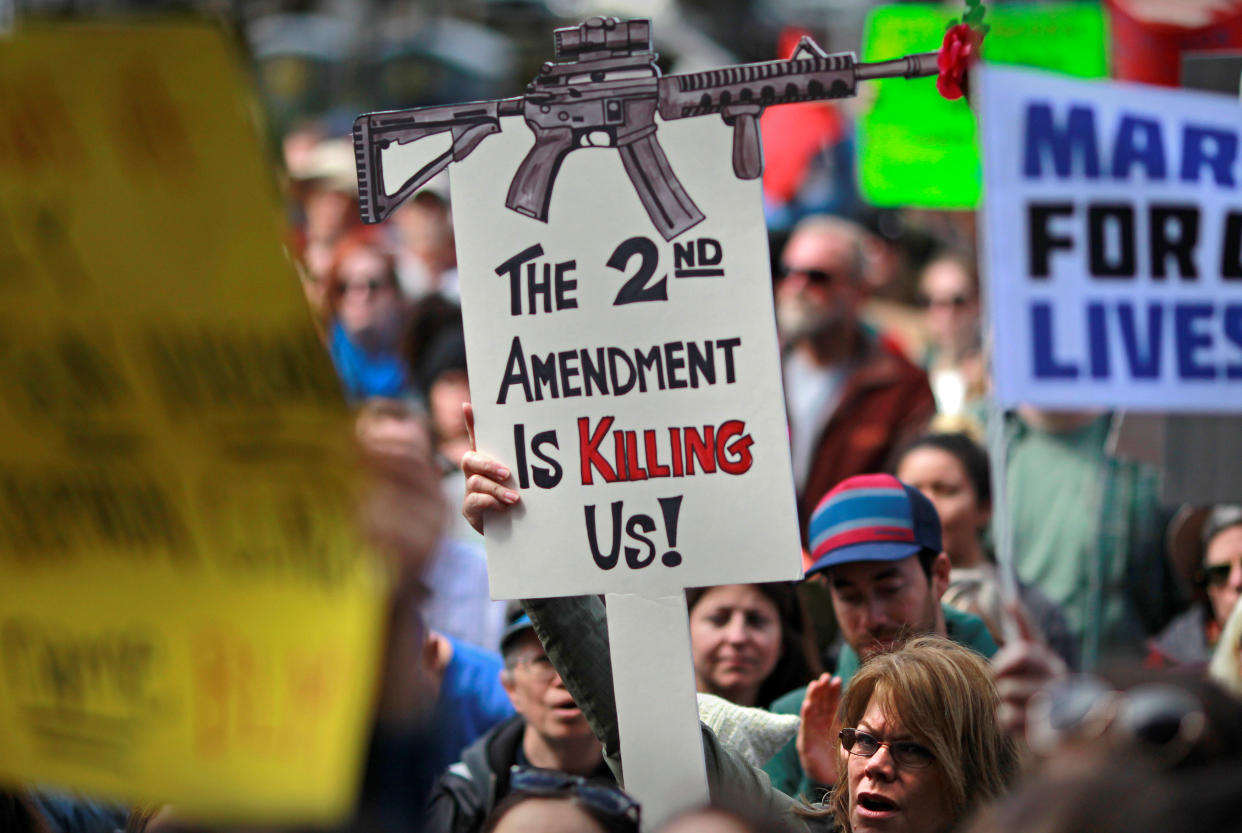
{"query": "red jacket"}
[(886, 403)]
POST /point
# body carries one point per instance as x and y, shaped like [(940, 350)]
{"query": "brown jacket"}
[(886, 403)]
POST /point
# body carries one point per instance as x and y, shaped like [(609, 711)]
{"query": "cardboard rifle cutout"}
[(638, 404), (605, 86)]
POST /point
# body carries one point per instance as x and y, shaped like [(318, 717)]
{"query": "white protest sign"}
[(632, 383), (623, 362), (1113, 243)]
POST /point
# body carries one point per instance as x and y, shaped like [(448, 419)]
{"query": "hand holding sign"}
[(486, 480)]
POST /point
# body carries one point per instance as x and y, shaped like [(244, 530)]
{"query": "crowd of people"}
[(902, 686), (899, 686)]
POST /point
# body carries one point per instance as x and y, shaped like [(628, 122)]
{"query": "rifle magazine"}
[(665, 199)]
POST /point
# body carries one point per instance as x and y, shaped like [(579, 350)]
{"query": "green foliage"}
[(975, 10)]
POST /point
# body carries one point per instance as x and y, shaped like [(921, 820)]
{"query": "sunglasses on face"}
[(367, 287), (1158, 720), (819, 277), (1216, 575), (544, 782), (955, 301), (906, 754)]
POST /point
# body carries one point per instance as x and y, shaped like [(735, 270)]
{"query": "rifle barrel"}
[(765, 84), (910, 66)]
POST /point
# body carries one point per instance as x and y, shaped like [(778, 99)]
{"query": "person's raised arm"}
[(818, 751)]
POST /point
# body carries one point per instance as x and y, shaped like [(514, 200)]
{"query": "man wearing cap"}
[(876, 543), (1216, 577), (548, 732)]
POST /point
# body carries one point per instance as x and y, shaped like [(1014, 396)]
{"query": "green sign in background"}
[(918, 149)]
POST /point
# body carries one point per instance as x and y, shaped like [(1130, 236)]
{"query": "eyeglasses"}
[(906, 754), (955, 301), (607, 800), (367, 287), (819, 277), (1216, 575), (539, 667), (1161, 721)]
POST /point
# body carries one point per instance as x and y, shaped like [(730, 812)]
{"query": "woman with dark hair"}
[(951, 469), (749, 641)]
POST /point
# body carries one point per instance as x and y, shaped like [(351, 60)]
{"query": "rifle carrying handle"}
[(661, 193), (530, 192)]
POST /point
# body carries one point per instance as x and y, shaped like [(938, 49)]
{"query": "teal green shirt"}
[(1089, 531), (786, 771)]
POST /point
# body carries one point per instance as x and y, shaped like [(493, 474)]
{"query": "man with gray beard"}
[(853, 400)]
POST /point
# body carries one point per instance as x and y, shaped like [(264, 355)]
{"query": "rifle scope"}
[(606, 35)]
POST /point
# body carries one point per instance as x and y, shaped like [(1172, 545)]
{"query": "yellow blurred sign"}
[(186, 614)]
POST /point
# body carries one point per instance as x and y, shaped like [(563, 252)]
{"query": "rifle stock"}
[(468, 125)]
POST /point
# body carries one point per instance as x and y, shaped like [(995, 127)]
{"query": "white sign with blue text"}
[(1112, 243)]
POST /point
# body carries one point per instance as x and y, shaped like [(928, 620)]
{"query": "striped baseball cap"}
[(872, 517)]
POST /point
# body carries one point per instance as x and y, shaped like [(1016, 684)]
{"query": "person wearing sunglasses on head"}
[(852, 398), (1150, 751), (1206, 546), (556, 802), (1161, 719)]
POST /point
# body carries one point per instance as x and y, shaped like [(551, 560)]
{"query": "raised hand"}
[(1024, 666), (402, 512), (817, 734)]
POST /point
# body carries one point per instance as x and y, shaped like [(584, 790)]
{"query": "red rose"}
[(958, 53)]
